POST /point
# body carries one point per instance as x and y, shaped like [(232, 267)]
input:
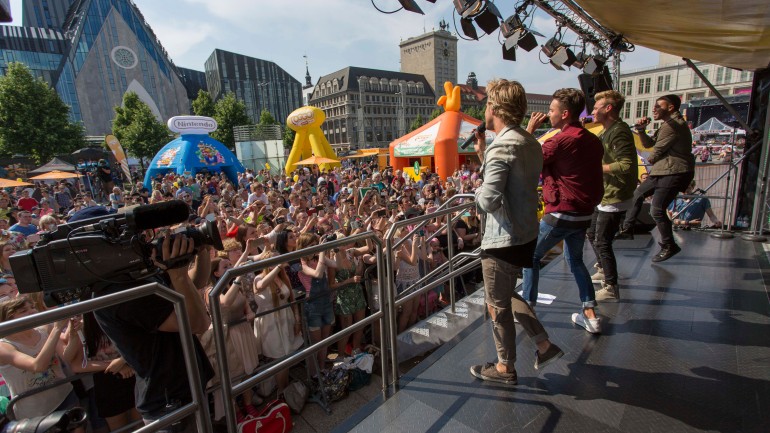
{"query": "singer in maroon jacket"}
[(573, 184)]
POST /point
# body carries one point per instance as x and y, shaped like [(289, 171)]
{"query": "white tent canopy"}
[(711, 126)]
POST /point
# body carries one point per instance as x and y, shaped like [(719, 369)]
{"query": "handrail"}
[(228, 389), (198, 406)]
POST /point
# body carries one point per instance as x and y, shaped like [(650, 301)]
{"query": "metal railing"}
[(456, 265), (228, 389), (199, 404)]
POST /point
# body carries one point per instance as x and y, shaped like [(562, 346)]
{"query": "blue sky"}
[(339, 33)]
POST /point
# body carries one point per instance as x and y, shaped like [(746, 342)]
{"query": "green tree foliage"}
[(34, 121), (475, 112), (266, 118), (418, 122), (229, 113), (203, 105), (435, 113), (138, 130), (288, 137)]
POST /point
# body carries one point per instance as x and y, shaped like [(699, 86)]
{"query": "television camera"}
[(106, 248)]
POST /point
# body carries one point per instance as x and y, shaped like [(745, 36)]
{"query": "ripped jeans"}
[(500, 291)]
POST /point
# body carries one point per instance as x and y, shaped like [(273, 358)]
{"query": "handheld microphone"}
[(152, 216), (480, 129)]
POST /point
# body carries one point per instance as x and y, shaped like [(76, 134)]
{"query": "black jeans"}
[(600, 235), (663, 190)]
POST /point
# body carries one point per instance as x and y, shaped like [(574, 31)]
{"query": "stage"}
[(687, 348)]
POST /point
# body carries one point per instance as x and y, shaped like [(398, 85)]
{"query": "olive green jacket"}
[(620, 155), (671, 148)]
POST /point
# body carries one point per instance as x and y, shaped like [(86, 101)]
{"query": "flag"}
[(120, 156)]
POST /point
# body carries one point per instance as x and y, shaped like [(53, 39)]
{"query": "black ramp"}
[(686, 349)]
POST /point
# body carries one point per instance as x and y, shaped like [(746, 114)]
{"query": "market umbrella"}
[(316, 160), (56, 174), (7, 183)]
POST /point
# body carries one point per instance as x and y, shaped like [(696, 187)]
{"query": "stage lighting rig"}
[(516, 34), (483, 12)]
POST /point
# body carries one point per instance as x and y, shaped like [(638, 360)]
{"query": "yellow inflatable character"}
[(309, 140)]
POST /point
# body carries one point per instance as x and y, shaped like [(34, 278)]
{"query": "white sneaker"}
[(598, 277), (593, 326)]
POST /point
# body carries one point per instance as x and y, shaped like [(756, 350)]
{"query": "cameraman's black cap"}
[(89, 212)]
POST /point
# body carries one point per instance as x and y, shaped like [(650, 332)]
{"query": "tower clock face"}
[(446, 52)]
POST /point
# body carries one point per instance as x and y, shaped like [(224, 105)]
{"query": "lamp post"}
[(401, 109)]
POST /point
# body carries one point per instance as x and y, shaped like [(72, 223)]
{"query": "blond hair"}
[(611, 97), (507, 100)]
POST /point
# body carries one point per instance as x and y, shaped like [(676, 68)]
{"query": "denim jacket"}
[(508, 197)]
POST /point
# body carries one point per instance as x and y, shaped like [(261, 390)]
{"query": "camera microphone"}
[(152, 216), (480, 129)]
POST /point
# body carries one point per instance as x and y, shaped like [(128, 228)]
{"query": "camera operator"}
[(145, 330)]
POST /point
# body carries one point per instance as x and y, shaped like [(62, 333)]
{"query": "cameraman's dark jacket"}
[(155, 356)]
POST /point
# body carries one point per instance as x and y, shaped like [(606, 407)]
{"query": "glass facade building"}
[(260, 84), (93, 52)]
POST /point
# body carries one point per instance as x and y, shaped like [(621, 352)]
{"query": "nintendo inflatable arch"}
[(193, 151), (439, 139), (309, 139)]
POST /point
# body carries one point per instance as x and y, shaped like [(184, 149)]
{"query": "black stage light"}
[(580, 59), (488, 18), (595, 65), (550, 47), (411, 6), (468, 28), (509, 53), (5, 11)]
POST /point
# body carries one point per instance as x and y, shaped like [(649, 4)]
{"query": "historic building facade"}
[(370, 107), (434, 55)]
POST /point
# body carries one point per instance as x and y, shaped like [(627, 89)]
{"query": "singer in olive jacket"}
[(671, 147)]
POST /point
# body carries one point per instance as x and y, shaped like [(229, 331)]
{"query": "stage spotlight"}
[(558, 53), (411, 6), (489, 18), (515, 33), (580, 59), (509, 53), (468, 28), (594, 65)]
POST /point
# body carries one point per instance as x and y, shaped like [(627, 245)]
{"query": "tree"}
[(229, 113), (138, 130), (435, 113), (475, 112), (34, 120), (288, 137), (265, 118), (203, 105), (418, 122)]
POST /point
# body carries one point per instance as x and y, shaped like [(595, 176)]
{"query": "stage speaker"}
[(593, 84)]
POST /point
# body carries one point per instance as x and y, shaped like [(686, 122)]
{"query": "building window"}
[(642, 108), (728, 75), (659, 87), (626, 111), (745, 75), (720, 75), (644, 85), (667, 82), (696, 81)]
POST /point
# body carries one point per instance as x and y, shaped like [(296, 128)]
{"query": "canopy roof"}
[(712, 126), (54, 164), (729, 33), (421, 141)]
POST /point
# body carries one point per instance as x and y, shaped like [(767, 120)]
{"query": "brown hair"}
[(571, 100), (508, 100), (611, 97), (307, 240), (9, 308)]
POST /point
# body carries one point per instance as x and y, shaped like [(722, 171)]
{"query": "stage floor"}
[(686, 349)]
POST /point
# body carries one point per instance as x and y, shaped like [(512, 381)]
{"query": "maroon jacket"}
[(572, 171)]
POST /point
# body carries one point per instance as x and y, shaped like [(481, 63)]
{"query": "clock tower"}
[(434, 55)]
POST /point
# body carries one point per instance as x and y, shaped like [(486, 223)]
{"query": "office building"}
[(642, 87), (260, 84), (194, 81), (92, 55)]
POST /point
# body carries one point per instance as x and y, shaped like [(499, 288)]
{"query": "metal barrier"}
[(457, 264), (228, 389), (199, 404), (390, 246)]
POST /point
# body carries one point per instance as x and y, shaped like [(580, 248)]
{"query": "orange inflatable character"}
[(445, 154)]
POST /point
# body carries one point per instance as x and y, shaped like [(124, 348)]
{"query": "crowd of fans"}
[(262, 215)]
